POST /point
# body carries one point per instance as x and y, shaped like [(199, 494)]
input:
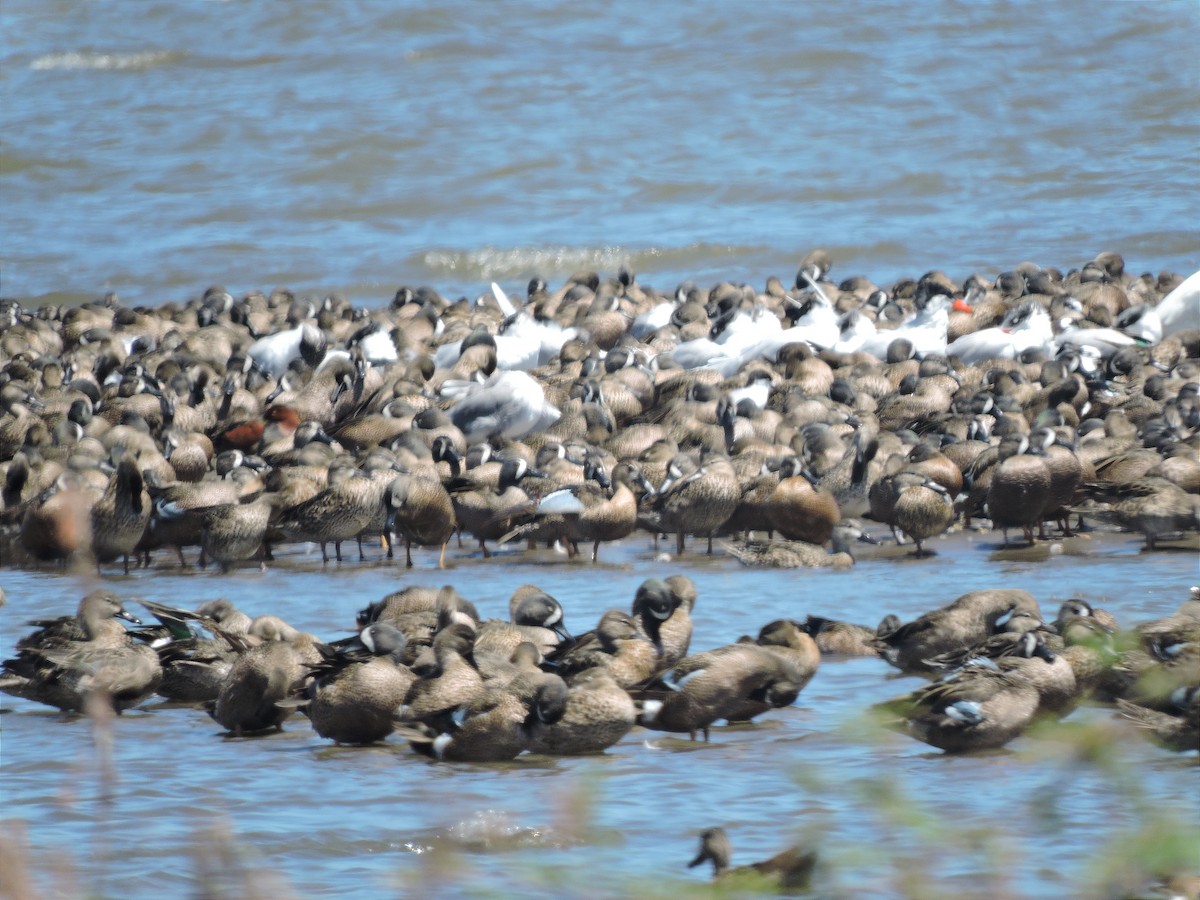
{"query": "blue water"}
[(308, 819), (155, 148)]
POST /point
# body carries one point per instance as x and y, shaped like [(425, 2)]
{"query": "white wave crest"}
[(92, 60)]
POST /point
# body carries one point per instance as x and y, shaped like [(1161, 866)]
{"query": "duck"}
[(719, 684), (120, 516), (599, 713), (498, 724), (1152, 505), (787, 872), (968, 620), (353, 693), (233, 532), (783, 554), (454, 682), (534, 616), (922, 509), (175, 519), (977, 708), (420, 508), (838, 638), (616, 645), (696, 499), (1019, 489), (597, 510), (480, 509), (798, 510), (261, 676), (1078, 608), (84, 677), (70, 660), (94, 621), (1177, 728), (56, 525), (195, 665), (340, 512)]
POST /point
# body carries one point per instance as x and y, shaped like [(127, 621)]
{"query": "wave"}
[(489, 263), (87, 59)]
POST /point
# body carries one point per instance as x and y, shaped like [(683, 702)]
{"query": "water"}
[(354, 148), (156, 148), (360, 822)]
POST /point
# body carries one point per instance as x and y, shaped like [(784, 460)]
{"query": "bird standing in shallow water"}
[(787, 872)]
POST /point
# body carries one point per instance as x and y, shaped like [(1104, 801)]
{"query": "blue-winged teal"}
[(498, 724), (339, 513), (798, 510), (663, 611), (1152, 505), (719, 684), (76, 677), (1019, 489), (599, 712), (534, 616), (479, 509), (1175, 728), (71, 659), (787, 872), (120, 516), (979, 708), (845, 638), (1077, 607), (455, 681), (697, 499), (260, 677), (616, 645), (783, 554), (355, 690), (420, 508), (968, 620)]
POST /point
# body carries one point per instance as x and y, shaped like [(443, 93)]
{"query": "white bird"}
[(1180, 309), (1106, 341), (508, 405), (926, 330), (378, 347), (1024, 328), (656, 317), (758, 391), (696, 353), (856, 330), (1142, 323), (818, 327), (275, 352), (523, 343)]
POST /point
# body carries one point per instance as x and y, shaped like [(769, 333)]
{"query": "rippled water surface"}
[(154, 148), (327, 821)]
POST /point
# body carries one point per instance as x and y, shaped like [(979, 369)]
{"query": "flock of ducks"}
[(771, 420), (461, 687), (424, 665), (770, 423)]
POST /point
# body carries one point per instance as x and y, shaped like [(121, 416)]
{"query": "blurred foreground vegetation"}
[(906, 846)]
